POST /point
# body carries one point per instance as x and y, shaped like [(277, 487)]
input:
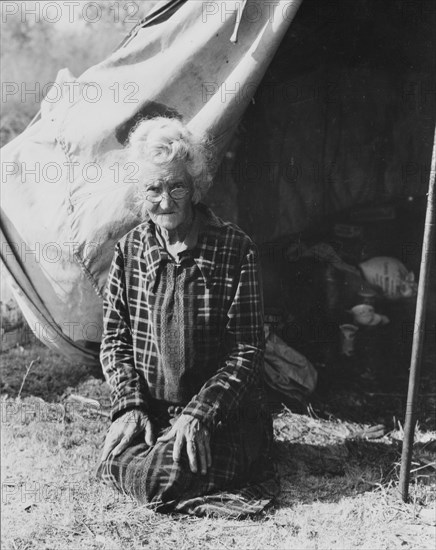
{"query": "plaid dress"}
[(188, 336)]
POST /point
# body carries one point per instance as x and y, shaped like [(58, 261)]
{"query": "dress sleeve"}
[(116, 351), (245, 344)]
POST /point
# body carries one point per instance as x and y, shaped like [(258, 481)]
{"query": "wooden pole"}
[(418, 333)]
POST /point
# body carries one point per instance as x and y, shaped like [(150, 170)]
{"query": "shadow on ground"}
[(317, 473)]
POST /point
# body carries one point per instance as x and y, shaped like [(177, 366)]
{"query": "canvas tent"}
[(310, 116), (60, 228)]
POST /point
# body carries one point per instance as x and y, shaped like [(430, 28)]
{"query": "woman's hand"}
[(124, 429), (191, 432)]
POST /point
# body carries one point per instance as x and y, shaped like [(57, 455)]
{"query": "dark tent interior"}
[(335, 148)]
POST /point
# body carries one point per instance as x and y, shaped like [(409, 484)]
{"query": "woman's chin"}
[(169, 222)]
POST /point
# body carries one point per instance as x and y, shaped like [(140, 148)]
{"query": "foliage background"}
[(34, 48)]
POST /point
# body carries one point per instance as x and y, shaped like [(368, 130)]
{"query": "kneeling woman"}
[(183, 343)]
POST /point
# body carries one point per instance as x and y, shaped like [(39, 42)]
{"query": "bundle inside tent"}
[(312, 110)]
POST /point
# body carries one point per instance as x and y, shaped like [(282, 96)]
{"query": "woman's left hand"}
[(191, 432)]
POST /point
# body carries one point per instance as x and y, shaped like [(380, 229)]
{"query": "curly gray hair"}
[(161, 140)]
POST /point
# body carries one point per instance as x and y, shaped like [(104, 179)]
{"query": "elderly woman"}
[(183, 343)]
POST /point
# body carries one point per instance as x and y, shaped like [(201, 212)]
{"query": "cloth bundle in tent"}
[(68, 185)]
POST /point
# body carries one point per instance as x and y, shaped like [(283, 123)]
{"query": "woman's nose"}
[(166, 200)]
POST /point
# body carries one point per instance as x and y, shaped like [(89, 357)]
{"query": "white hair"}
[(161, 141)]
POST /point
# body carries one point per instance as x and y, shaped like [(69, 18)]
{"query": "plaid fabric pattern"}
[(239, 482), (187, 334), (190, 333)]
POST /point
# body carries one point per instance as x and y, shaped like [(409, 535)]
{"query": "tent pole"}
[(418, 333)]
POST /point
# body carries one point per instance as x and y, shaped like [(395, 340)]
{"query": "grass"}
[(339, 489)]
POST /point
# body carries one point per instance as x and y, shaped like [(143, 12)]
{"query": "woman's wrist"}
[(122, 412)]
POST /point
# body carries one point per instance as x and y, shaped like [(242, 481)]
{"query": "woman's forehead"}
[(165, 173)]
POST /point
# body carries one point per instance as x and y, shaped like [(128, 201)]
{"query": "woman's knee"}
[(152, 476), (108, 471), (166, 479)]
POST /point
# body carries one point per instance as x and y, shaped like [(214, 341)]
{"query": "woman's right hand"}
[(124, 429)]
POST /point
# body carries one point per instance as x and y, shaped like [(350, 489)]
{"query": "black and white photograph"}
[(218, 290)]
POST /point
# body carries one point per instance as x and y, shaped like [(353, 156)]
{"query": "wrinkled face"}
[(169, 212)]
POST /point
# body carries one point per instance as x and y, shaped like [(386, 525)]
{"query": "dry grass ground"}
[(338, 487)]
